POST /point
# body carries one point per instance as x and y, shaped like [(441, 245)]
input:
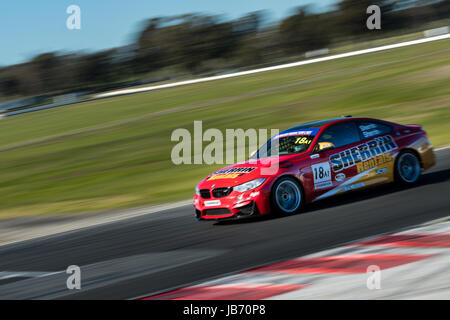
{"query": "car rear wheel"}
[(287, 196), (407, 168)]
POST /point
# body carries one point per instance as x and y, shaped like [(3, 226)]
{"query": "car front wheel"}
[(287, 196)]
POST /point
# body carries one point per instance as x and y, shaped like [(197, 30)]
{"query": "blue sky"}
[(28, 28)]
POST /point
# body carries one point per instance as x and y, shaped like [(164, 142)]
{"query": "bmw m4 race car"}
[(314, 161)]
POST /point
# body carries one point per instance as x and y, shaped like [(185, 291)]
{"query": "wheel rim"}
[(408, 167), (288, 196)]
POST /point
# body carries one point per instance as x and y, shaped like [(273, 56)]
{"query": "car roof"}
[(322, 123), (315, 124)]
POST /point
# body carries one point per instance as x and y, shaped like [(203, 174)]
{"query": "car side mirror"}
[(323, 146)]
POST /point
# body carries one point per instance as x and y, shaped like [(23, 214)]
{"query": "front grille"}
[(217, 212), (221, 192), (204, 193)]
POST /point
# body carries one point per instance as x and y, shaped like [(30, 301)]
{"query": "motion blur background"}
[(189, 44), (92, 155)]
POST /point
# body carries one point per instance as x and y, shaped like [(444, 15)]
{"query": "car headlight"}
[(197, 191), (249, 185)]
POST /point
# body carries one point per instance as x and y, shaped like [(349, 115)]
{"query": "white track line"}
[(24, 274), (283, 66)]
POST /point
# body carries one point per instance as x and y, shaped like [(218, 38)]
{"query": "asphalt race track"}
[(169, 249)]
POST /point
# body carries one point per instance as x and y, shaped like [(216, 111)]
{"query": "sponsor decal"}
[(212, 203), (225, 176), (322, 185), (340, 177), (321, 175), (381, 171), (303, 140), (362, 153), (230, 173), (305, 132), (369, 130), (254, 194), (376, 161), (240, 197), (235, 170)]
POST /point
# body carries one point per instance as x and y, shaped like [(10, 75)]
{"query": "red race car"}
[(314, 161)]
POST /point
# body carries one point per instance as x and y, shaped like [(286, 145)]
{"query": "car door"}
[(334, 169), (378, 140)]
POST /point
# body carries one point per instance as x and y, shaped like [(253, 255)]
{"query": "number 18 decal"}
[(322, 175)]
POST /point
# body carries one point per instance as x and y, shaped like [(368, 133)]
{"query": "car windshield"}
[(287, 143)]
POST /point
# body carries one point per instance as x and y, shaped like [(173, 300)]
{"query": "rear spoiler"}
[(415, 127)]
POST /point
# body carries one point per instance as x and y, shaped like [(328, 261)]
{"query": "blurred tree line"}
[(200, 44)]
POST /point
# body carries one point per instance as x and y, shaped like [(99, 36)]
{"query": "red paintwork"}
[(357, 263), (409, 240), (403, 135), (233, 292)]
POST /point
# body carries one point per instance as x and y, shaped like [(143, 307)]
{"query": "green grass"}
[(129, 164)]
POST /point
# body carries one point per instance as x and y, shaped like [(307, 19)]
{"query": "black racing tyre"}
[(407, 168), (286, 196)]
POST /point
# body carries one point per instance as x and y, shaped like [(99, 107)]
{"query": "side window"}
[(371, 129), (341, 134)]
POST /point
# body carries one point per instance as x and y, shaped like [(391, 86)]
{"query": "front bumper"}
[(249, 210), (234, 206)]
